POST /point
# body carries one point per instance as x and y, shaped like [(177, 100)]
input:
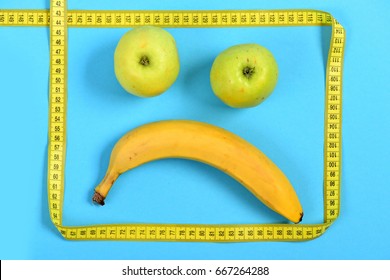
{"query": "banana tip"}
[(300, 219), (98, 198)]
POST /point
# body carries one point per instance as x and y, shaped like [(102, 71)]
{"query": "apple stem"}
[(144, 60), (248, 71)]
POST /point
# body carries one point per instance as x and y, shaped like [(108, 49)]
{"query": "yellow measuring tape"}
[(58, 18)]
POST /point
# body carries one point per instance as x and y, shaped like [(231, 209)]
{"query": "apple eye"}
[(144, 60)]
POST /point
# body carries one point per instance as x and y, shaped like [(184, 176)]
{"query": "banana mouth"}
[(98, 198)]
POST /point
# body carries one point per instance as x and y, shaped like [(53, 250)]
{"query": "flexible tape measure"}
[(58, 18)]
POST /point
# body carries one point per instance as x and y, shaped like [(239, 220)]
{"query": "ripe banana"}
[(208, 144)]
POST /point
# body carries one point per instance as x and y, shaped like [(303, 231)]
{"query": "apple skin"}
[(232, 86), (146, 61)]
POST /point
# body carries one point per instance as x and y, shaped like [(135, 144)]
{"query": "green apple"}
[(244, 75), (146, 61)]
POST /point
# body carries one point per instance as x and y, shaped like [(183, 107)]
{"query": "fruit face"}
[(146, 61), (244, 75)]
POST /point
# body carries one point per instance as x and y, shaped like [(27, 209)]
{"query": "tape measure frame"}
[(58, 18)]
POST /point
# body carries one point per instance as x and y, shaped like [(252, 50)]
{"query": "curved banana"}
[(208, 144)]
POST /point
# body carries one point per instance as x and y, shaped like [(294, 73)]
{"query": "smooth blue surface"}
[(288, 127)]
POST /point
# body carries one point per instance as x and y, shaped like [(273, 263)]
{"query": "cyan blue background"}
[(288, 127)]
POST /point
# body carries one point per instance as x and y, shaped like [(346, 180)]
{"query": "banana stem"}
[(98, 198), (103, 188)]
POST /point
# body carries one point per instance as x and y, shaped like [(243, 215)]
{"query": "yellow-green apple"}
[(146, 61), (244, 75)]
